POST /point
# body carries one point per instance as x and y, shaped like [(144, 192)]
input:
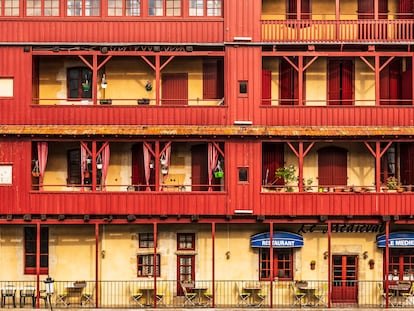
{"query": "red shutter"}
[(340, 82), (266, 87), (213, 79), (174, 89), (390, 81), (289, 87), (407, 163), (405, 8), (332, 166), (138, 175), (199, 164), (292, 8), (272, 159), (347, 95), (406, 90), (365, 9)]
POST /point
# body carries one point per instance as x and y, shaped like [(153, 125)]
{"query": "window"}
[(30, 235), (292, 10), (42, 7), (79, 82), (340, 82), (242, 87), (146, 265), (282, 264), (133, 7), (388, 163), (401, 263), (146, 240), (171, 7), (9, 7), (205, 8), (74, 167), (6, 87), (185, 241), (83, 7), (243, 174)]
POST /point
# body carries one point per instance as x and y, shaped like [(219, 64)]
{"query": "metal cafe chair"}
[(87, 297), (8, 291), (27, 292), (189, 297), (243, 296), (136, 296)]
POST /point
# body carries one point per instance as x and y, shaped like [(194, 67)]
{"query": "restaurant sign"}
[(280, 239), (402, 239)]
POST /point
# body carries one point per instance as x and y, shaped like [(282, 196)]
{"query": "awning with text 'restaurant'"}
[(400, 239), (280, 239)]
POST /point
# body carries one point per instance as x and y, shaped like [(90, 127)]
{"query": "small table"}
[(309, 294), (397, 288), (254, 299), (199, 300), (148, 293)]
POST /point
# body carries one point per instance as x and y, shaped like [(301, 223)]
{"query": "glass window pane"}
[(133, 8), (115, 7)]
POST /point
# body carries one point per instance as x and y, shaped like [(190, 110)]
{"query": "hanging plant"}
[(86, 86), (148, 86), (35, 170), (218, 171)]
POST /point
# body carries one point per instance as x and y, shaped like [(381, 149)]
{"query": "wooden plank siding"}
[(29, 31)]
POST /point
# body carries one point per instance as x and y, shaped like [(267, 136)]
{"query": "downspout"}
[(155, 263)]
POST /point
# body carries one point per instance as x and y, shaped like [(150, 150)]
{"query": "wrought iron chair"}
[(189, 297), (298, 296), (408, 298), (383, 295), (87, 297), (243, 297), (136, 296), (320, 295)]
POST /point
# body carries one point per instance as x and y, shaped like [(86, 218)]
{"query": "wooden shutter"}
[(407, 163), (272, 159), (199, 166), (365, 9), (266, 87), (340, 82), (332, 166), (289, 84), (405, 9), (406, 90), (390, 81), (138, 174), (174, 89), (213, 79), (292, 9)]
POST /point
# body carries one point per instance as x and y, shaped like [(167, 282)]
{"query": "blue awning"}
[(280, 239), (402, 239)]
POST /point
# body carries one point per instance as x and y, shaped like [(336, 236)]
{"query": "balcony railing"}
[(334, 31), (222, 294)]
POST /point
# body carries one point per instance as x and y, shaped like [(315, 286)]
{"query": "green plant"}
[(286, 173), (392, 183), (308, 184)]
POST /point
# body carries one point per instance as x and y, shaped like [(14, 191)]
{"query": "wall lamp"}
[(325, 255), (365, 255), (131, 218)]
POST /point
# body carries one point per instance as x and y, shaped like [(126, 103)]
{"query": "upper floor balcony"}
[(111, 22), (337, 22)]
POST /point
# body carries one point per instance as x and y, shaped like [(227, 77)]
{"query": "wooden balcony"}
[(338, 31), (211, 203), (111, 31)]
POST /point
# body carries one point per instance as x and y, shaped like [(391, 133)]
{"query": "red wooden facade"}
[(242, 39)]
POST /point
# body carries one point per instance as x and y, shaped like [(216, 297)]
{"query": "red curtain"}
[(289, 84), (272, 159)]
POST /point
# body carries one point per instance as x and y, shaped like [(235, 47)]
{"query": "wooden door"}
[(272, 159), (345, 279), (174, 89), (340, 82), (289, 84), (185, 271), (199, 163)]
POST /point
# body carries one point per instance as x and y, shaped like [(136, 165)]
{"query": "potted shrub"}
[(288, 175), (392, 183)]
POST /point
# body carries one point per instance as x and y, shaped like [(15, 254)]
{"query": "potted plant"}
[(287, 174), (392, 183), (308, 184)]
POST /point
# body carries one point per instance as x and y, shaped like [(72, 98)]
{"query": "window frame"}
[(146, 240), (30, 248), (74, 84), (265, 264), (189, 239), (149, 265)]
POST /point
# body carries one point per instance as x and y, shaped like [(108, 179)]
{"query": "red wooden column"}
[(387, 260), (271, 262), (155, 263), (300, 80), (38, 265), (97, 265), (213, 266), (329, 264)]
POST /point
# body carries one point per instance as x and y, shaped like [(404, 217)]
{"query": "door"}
[(185, 271), (174, 89), (289, 84), (345, 279), (199, 171), (340, 82)]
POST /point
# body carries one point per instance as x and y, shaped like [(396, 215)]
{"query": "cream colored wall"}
[(126, 78), (316, 85), (361, 168)]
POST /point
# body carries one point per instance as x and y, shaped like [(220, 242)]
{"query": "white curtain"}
[(212, 163), (42, 153)]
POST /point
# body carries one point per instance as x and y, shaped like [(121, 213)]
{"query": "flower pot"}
[(164, 171), (218, 174), (105, 101), (35, 174), (99, 166), (143, 101)]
